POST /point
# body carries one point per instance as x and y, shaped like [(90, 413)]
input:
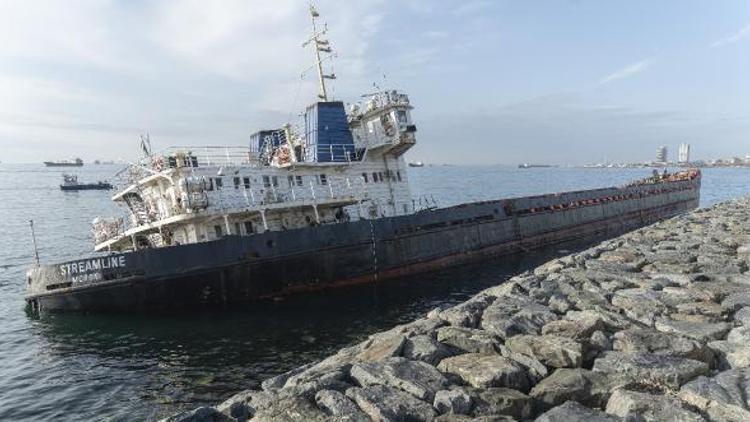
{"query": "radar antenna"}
[(320, 45)]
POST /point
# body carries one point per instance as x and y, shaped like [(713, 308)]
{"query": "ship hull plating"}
[(242, 268)]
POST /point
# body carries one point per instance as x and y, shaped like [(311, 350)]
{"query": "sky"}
[(492, 82)]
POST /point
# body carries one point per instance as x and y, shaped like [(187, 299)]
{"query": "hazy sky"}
[(491, 81)]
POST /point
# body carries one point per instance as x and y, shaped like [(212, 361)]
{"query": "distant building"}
[(683, 154), (661, 154)]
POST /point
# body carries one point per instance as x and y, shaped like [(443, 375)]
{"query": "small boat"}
[(416, 164), (70, 182), (65, 163)]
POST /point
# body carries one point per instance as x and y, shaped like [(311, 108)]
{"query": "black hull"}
[(92, 186), (273, 264)]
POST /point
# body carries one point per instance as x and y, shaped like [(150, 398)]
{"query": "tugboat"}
[(65, 163), (70, 183), (323, 206)]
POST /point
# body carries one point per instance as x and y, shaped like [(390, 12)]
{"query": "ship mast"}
[(321, 46)]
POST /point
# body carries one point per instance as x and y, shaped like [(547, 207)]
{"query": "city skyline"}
[(492, 82)]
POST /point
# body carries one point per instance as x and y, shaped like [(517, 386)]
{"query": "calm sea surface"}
[(121, 367)]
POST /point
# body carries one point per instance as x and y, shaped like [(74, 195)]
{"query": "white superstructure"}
[(341, 167)]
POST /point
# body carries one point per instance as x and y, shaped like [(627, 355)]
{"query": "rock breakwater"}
[(650, 326)]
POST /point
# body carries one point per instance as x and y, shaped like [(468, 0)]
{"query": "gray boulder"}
[(577, 330), (572, 411), (425, 348), (558, 352), (384, 403), (639, 406), (650, 369), (337, 406), (201, 414), (656, 342), (452, 401), (467, 314), (468, 339), (640, 304), (290, 409), (484, 371), (581, 385), (501, 401), (415, 377), (730, 354), (700, 331), (742, 316), (730, 387), (510, 316)]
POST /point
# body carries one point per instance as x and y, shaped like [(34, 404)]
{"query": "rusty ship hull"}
[(274, 264)]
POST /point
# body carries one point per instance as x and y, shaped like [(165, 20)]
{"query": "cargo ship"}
[(317, 207), (65, 163)]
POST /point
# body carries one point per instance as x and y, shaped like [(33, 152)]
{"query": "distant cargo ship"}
[(416, 164), (64, 163), (529, 166)]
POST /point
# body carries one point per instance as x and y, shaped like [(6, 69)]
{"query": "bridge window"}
[(398, 175), (290, 180), (270, 180), (218, 182), (298, 179), (323, 179), (401, 115), (236, 182), (364, 176), (246, 182), (248, 227), (217, 231), (374, 177)]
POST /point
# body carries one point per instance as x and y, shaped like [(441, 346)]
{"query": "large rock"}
[(425, 348), (468, 339), (650, 369), (467, 314), (579, 330), (639, 406), (452, 401), (290, 409), (485, 370), (554, 351), (572, 411), (739, 335), (415, 377), (582, 385), (697, 330), (612, 320), (380, 349), (384, 403), (742, 316), (501, 401), (642, 305), (730, 387), (509, 316), (201, 414), (652, 341), (339, 407), (731, 355)]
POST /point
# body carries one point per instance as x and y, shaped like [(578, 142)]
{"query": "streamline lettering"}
[(92, 265)]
